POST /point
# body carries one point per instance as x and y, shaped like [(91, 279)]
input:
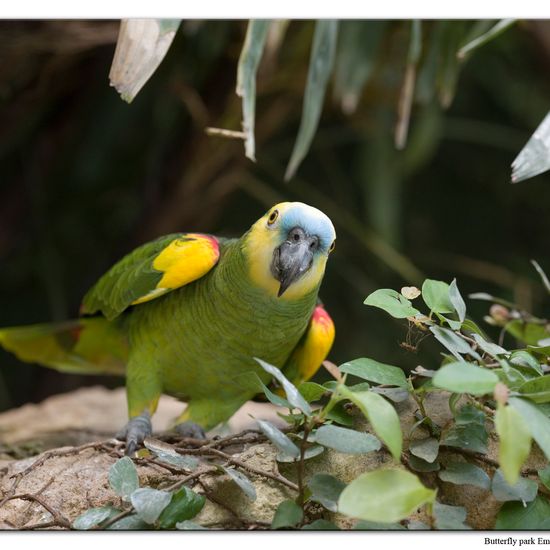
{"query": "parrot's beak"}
[(293, 258)]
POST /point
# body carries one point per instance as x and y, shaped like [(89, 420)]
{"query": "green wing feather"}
[(150, 271), (129, 279)]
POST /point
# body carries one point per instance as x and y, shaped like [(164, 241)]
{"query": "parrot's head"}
[(287, 249)]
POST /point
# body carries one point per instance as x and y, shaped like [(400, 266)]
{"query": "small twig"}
[(300, 467), (34, 526), (114, 519), (57, 517), (236, 438), (64, 452), (11, 491), (222, 132), (244, 466), (190, 477)]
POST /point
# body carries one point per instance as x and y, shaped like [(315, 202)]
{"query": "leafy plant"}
[(491, 389), (145, 508)]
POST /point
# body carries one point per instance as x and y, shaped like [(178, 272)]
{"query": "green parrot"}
[(188, 313)]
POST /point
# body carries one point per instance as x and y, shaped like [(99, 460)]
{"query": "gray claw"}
[(190, 429), (135, 431)]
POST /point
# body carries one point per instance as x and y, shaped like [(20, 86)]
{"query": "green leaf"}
[(372, 370), (149, 503), (339, 415), (516, 516), (469, 431), (515, 441), (493, 32), (362, 386), (436, 296), (488, 347), (185, 504), (391, 302), (427, 449), (311, 391), (415, 525), (469, 326), (123, 477), (462, 377), (397, 395), (277, 400), (243, 482), (384, 495), (537, 421), (311, 452), (94, 516), (288, 514), (544, 476), (364, 525), (525, 359), (320, 525), (249, 60), (325, 489), (320, 68), (537, 389), (190, 526), (452, 36), (129, 523), (421, 465), (530, 333), (542, 274), (346, 441), (188, 462), (462, 473), (358, 45), (457, 301), (292, 394), (524, 489), (382, 417), (279, 439), (166, 453), (449, 517), (454, 343)]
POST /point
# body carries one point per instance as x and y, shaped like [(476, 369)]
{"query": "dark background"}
[(84, 177)]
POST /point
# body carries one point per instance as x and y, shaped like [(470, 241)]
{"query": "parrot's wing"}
[(312, 349), (152, 270)]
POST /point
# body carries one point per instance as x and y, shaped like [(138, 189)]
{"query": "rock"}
[(95, 412)]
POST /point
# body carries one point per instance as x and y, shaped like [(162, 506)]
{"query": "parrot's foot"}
[(135, 431), (190, 429)]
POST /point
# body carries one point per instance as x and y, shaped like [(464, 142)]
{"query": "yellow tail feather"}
[(83, 346)]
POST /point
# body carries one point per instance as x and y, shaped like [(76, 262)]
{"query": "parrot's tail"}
[(84, 346)]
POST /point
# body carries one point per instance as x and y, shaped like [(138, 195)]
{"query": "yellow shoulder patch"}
[(313, 350), (183, 261)]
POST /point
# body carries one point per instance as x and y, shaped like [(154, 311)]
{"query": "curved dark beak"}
[(293, 258)]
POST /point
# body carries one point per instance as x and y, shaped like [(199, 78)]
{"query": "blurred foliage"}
[(85, 177)]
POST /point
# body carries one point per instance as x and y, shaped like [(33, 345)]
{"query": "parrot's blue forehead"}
[(310, 219)]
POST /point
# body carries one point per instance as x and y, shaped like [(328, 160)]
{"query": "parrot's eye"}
[(332, 246), (273, 217)]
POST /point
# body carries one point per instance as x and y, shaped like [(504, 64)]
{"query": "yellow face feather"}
[(262, 240)]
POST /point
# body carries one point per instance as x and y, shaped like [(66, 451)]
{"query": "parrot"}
[(187, 315)]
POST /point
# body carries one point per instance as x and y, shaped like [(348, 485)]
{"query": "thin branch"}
[(114, 519), (59, 519), (236, 462)]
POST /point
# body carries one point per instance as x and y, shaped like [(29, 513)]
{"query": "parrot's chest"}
[(204, 343)]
